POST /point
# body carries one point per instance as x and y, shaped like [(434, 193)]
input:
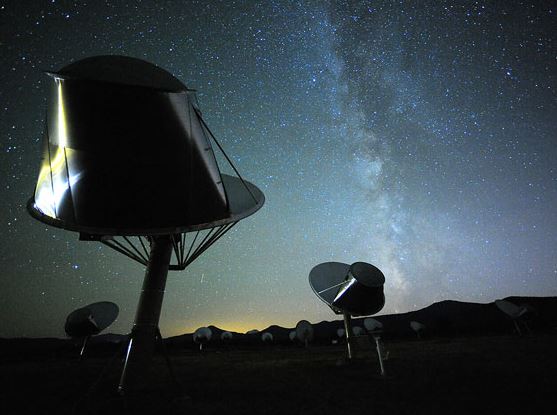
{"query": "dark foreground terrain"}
[(494, 374)]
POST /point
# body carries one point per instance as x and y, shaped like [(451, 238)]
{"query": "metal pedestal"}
[(135, 375)]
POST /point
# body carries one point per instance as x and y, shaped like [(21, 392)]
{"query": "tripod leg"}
[(83, 347), (379, 354), (168, 361), (348, 332)]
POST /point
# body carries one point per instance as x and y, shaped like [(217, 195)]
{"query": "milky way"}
[(418, 136)]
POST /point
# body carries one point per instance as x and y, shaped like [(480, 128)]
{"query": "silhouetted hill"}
[(446, 318)]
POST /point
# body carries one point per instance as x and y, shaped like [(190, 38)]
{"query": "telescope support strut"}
[(146, 325)]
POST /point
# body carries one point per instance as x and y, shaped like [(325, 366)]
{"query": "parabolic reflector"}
[(356, 289), (91, 319), (126, 152)]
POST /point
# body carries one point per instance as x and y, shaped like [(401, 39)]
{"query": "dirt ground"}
[(496, 375)]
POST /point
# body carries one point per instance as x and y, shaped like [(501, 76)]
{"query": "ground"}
[(490, 374)]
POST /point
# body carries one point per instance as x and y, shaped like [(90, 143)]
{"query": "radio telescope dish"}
[(128, 160), (202, 335), (356, 289), (226, 336), (304, 332), (90, 320), (267, 337), (372, 324), (350, 290), (514, 312), (292, 335), (357, 331), (418, 328)]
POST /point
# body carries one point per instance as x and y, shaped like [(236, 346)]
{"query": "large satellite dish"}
[(90, 320), (128, 160), (350, 290)]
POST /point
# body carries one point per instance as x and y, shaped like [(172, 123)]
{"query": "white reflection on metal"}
[(344, 289), (62, 130), (52, 183)]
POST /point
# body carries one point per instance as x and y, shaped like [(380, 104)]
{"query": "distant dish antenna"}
[(515, 313), (128, 160), (350, 290), (372, 324), (375, 329), (292, 335), (202, 336), (357, 331), (267, 337), (418, 328), (304, 332), (226, 336), (90, 320)]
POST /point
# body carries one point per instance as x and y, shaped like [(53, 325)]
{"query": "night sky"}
[(418, 136)]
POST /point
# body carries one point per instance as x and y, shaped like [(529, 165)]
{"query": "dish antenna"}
[(226, 336), (375, 328), (267, 337), (357, 331), (304, 332), (128, 160), (90, 320), (418, 328), (372, 324), (292, 335), (350, 290), (514, 312), (202, 335)]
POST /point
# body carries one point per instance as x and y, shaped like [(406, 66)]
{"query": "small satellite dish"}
[(267, 337), (372, 325), (292, 335), (357, 331), (226, 336), (304, 332), (90, 320), (253, 331), (510, 309), (202, 336), (350, 290), (418, 328), (340, 332), (514, 312)]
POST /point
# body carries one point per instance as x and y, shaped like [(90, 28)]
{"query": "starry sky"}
[(417, 136)]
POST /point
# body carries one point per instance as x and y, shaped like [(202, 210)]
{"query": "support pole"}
[(377, 339), (348, 332), (84, 344), (135, 375)]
